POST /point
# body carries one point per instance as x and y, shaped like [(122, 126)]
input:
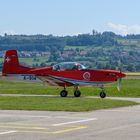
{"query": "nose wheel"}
[(102, 94), (77, 93)]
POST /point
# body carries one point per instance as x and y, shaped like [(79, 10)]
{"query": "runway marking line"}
[(7, 132), (40, 130), (59, 131), (73, 122), (69, 130), (17, 124), (23, 127)]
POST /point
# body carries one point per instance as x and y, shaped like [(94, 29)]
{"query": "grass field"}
[(60, 104), (31, 61), (130, 88)]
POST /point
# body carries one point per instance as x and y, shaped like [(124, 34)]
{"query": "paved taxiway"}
[(112, 124)]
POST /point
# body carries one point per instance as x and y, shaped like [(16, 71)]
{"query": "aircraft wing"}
[(56, 81)]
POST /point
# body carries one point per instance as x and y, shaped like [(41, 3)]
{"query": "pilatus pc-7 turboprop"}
[(63, 74)]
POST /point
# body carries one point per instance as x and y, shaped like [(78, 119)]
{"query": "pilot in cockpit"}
[(75, 67)]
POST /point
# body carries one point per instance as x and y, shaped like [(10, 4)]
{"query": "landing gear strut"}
[(77, 92), (64, 93)]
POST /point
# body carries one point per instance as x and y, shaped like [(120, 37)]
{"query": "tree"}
[(130, 67)]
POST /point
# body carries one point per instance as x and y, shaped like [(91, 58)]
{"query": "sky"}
[(69, 17)]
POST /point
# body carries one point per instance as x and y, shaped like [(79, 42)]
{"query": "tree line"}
[(51, 43), (105, 49)]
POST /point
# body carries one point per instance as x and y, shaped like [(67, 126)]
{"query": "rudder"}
[(11, 62)]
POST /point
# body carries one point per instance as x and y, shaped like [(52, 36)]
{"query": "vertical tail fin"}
[(11, 63)]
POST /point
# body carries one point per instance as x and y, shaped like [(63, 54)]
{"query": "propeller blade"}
[(119, 84)]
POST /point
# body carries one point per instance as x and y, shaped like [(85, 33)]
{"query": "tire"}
[(102, 94), (63, 93), (77, 93)]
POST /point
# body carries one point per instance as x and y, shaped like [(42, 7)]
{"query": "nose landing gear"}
[(102, 93)]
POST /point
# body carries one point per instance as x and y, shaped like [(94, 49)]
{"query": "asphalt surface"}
[(112, 124)]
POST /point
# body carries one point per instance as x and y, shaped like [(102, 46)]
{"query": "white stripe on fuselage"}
[(77, 82), (55, 80)]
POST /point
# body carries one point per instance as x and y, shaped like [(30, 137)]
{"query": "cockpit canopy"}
[(69, 66)]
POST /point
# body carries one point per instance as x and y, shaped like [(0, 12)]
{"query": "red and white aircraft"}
[(63, 74)]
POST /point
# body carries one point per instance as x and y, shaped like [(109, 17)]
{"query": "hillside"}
[(96, 50)]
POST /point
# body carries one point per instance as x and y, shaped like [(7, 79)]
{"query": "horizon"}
[(62, 18), (6, 34)]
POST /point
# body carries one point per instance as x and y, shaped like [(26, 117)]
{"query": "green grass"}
[(74, 47), (60, 104), (31, 61), (130, 88)]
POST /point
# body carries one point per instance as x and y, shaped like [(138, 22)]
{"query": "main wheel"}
[(77, 93), (63, 93), (102, 94)]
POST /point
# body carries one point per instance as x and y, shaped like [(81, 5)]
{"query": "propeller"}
[(120, 69), (119, 84)]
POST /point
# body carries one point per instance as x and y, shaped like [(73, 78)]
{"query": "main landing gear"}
[(77, 92), (64, 93)]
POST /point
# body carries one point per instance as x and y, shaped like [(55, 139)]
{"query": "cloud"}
[(124, 29)]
